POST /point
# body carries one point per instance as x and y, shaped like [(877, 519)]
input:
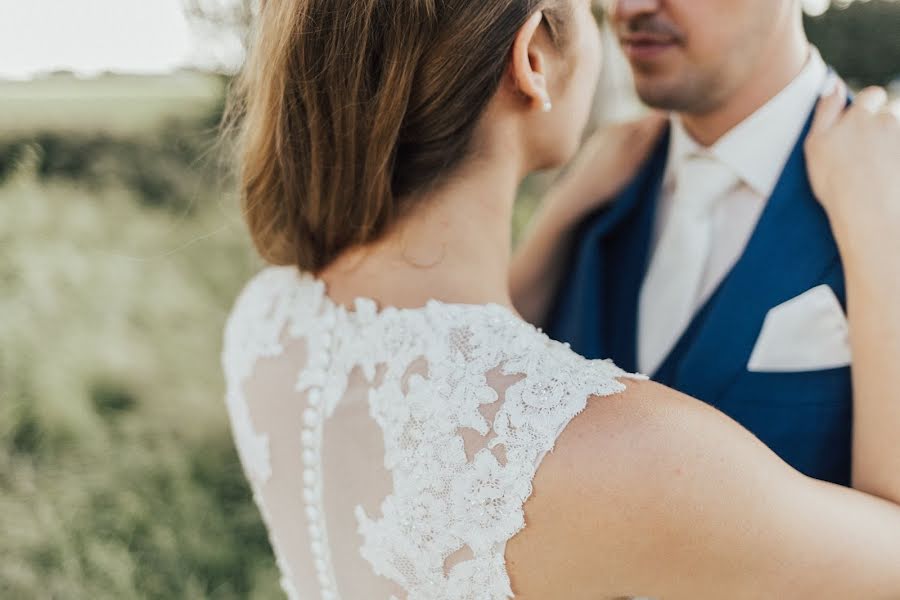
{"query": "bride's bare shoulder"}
[(623, 483), (628, 445)]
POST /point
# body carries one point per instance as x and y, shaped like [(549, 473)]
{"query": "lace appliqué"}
[(444, 503), (443, 529)]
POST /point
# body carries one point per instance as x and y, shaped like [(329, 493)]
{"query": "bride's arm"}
[(854, 157), (604, 166)]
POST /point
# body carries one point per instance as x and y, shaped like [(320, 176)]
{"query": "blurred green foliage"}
[(121, 255), (861, 40), (156, 168)]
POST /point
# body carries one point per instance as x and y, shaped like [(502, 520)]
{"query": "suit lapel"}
[(790, 251), (643, 190), (593, 311), (628, 258)]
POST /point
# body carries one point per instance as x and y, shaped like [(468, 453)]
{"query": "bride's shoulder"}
[(265, 306), (272, 295), (634, 473), (265, 288), (639, 440)]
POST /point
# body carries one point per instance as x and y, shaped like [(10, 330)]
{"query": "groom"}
[(716, 272)]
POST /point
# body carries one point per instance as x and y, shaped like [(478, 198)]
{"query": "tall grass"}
[(118, 477)]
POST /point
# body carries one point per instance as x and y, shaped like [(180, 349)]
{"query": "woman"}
[(393, 413)]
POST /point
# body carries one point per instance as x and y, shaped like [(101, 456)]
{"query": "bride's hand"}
[(606, 163), (854, 164)]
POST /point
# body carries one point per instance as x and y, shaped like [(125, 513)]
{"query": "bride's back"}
[(391, 453)]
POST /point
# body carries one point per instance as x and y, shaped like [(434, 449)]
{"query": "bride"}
[(408, 435)]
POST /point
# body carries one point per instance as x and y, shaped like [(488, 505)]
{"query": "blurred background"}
[(121, 251)]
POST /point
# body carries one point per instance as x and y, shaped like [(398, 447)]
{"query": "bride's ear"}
[(530, 62)]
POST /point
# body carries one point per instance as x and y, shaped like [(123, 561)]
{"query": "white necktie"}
[(671, 289)]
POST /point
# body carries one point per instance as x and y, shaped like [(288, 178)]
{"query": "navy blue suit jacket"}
[(805, 417)]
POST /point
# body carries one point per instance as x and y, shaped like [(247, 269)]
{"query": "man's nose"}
[(626, 10)]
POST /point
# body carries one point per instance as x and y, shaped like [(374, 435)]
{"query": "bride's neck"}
[(454, 247)]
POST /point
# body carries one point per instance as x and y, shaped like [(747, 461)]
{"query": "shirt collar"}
[(757, 148)]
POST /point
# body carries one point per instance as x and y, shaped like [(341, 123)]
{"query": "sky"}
[(92, 36)]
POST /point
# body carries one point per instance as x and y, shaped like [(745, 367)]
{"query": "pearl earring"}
[(547, 107)]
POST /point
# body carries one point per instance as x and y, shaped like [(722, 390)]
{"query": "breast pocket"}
[(807, 333)]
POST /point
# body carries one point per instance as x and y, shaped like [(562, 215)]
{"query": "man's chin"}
[(665, 92), (661, 97)]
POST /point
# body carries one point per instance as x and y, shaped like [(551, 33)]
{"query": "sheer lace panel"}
[(391, 453)]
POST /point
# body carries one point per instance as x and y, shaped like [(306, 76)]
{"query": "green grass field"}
[(116, 104), (118, 477)]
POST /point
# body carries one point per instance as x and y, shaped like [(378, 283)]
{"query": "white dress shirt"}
[(756, 150)]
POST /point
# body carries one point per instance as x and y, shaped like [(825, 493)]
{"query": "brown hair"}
[(345, 108)]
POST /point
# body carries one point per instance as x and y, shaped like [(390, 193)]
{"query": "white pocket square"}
[(807, 333)]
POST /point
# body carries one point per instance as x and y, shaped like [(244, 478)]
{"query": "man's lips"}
[(647, 46)]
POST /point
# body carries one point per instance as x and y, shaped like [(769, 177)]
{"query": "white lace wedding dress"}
[(391, 452)]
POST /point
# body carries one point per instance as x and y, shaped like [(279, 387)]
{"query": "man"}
[(715, 271)]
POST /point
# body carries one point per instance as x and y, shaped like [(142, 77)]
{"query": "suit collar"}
[(757, 148)]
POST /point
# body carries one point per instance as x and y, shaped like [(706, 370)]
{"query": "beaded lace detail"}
[(460, 451)]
